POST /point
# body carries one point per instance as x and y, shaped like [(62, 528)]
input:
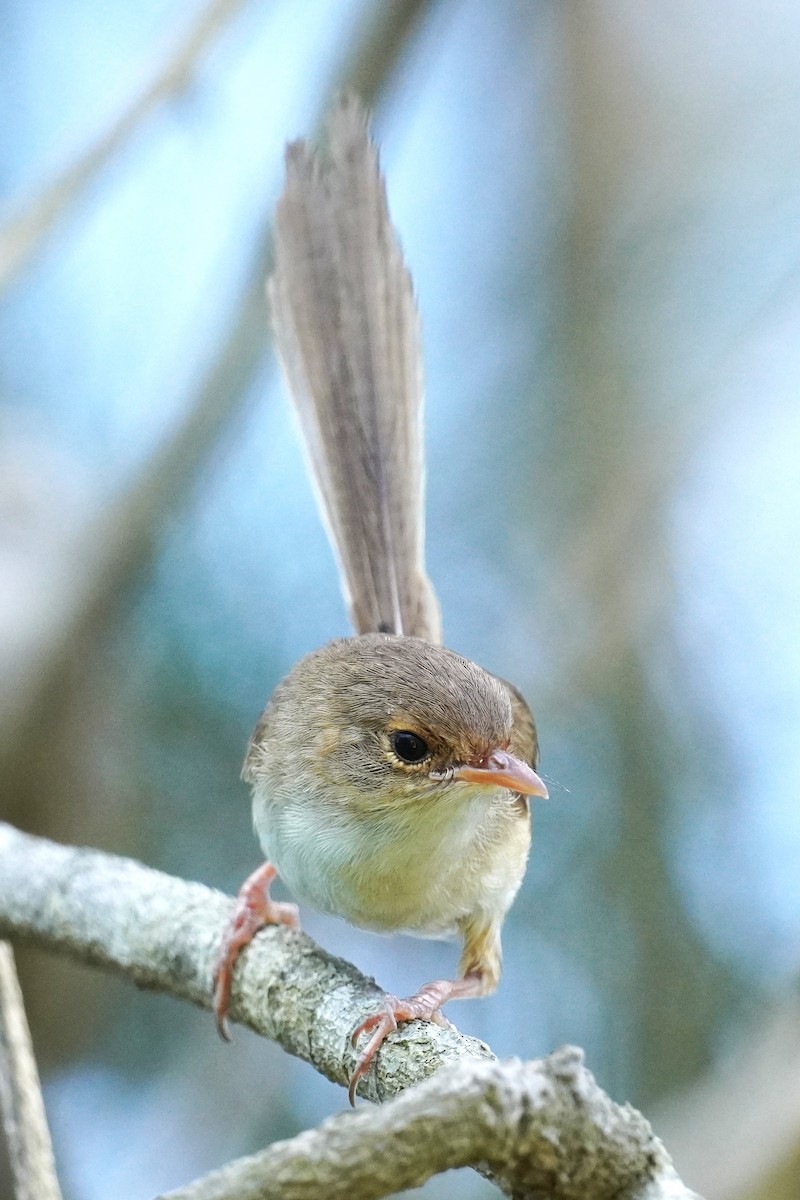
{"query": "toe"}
[(369, 1023), (385, 1014), (383, 1024)]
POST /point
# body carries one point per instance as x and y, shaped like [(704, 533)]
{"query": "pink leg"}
[(254, 909), (424, 1005)]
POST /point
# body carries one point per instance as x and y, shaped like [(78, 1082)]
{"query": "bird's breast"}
[(420, 867)]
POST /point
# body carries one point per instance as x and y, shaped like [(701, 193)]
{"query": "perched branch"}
[(24, 233), (163, 933), (535, 1126), (24, 1119)]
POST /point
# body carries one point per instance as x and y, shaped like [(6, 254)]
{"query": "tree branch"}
[(24, 1118), (24, 233), (537, 1126), (163, 933), (120, 538)]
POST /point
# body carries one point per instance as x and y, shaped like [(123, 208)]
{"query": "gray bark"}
[(539, 1128), (24, 1120)]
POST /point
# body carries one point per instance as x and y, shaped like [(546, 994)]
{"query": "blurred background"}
[(600, 206)]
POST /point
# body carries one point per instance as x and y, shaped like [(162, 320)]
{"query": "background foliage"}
[(599, 204)]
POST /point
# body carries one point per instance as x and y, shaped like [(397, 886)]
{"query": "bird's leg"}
[(480, 971), (254, 909), (424, 1005)]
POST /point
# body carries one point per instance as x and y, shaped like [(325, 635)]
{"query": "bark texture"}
[(24, 1119), (539, 1129)]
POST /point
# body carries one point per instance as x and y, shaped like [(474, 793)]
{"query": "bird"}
[(391, 777)]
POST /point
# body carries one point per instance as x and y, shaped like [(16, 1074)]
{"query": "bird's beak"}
[(501, 769)]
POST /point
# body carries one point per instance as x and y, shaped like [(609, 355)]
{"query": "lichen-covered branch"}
[(539, 1128), (163, 933)]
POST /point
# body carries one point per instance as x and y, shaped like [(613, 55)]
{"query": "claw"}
[(254, 909), (425, 1005), (383, 1022), (222, 988), (358, 1072)]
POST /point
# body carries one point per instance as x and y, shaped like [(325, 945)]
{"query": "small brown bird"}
[(389, 775)]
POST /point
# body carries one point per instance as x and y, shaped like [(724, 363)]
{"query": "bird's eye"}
[(408, 746)]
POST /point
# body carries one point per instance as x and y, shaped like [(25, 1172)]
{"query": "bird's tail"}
[(347, 333)]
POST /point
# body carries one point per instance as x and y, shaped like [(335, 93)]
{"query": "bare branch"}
[(536, 1127), (24, 233), (24, 1118), (119, 540), (532, 1126)]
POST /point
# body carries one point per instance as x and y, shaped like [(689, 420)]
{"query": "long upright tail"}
[(347, 333)]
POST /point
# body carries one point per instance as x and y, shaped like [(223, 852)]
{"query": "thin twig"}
[(24, 1119), (24, 233), (120, 539)]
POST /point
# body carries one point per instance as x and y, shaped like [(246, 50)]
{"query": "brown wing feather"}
[(347, 333)]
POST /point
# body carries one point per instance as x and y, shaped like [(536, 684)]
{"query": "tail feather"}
[(347, 333)]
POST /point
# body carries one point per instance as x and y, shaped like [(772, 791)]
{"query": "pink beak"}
[(499, 768)]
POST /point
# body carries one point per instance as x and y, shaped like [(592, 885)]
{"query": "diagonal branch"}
[(120, 539), (162, 933), (24, 233), (528, 1124)]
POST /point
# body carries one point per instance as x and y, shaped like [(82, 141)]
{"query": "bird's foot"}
[(424, 1005), (254, 909)]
